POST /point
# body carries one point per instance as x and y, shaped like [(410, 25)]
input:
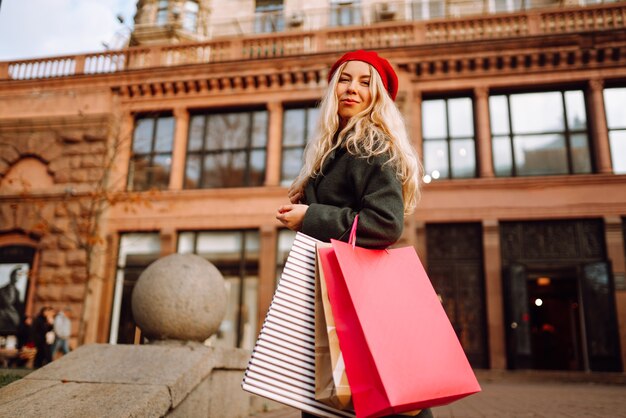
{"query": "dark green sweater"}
[(349, 185)]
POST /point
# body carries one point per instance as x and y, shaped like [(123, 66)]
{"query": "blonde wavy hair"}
[(378, 129)]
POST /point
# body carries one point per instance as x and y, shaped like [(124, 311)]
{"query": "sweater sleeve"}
[(378, 202)]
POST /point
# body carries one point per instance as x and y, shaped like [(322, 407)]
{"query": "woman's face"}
[(353, 90)]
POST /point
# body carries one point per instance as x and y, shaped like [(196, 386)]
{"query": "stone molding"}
[(224, 84)]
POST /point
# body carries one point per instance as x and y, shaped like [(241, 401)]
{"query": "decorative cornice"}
[(224, 84), (508, 58)]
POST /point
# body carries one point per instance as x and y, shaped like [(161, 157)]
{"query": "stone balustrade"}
[(607, 16)]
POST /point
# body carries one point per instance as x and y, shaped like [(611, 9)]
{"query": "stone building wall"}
[(47, 170)]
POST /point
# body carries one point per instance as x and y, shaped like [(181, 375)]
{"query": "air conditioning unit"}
[(385, 12), (296, 19)]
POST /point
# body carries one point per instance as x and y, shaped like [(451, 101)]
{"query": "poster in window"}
[(13, 286)]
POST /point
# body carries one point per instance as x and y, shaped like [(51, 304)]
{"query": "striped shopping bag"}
[(282, 365)]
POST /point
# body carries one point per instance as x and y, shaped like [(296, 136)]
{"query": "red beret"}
[(385, 70)]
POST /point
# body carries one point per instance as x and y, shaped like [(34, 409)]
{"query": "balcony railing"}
[(393, 33)]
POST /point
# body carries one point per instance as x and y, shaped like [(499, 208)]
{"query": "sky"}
[(44, 28)]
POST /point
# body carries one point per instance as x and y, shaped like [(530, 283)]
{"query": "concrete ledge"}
[(58, 399), (168, 378)]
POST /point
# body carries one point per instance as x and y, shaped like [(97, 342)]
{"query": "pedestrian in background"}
[(62, 331), (42, 328)]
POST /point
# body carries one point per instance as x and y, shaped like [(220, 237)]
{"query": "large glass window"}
[(448, 133), (539, 133), (226, 150), (152, 153), (298, 126), (236, 256), (136, 252), (615, 105), (345, 12), (269, 16), (190, 16)]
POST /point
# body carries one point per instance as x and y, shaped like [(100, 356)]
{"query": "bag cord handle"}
[(352, 239)]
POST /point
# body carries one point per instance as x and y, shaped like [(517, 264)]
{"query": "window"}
[(615, 105), (136, 252), (286, 238), (227, 150), (152, 153), (449, 144), (190, 16), (269, 16), (298, 126), (15, 266), (345, 12), (539, 133), (500, 6), (162, 12), (428, 9), (236, 256)]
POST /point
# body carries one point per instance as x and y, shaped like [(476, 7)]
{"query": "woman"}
[(360, 161)]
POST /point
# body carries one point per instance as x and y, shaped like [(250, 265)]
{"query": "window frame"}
[(610, 130), (162, 13), (448, 138), (121, 269), (249, 149), (269, 17), (131, 175), (190, 17), (567, 133), (243, 269), (308, 108), (340, 8)]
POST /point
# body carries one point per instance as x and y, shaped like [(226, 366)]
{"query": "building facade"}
[(187, 141)]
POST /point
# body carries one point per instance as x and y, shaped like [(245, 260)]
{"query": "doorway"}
[(561, 318), (555, 320)]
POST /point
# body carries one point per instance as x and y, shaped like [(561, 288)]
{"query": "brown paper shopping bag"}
[(331, 381)]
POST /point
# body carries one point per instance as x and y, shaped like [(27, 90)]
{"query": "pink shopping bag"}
[(399, 348)]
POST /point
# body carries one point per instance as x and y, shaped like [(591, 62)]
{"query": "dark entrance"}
[(555, 321), (559, 297)]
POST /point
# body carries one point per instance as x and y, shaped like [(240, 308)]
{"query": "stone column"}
[(615, 252), (483, 133), (267, 271), (599, 130), (274, 143), (493, 292), (168, 241), (420, 242), (119, 171), (179, 148), (415, 121)]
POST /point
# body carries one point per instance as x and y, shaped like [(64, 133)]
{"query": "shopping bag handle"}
[(352, 239)]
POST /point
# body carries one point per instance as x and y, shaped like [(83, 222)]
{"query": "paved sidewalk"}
[(526, 399)]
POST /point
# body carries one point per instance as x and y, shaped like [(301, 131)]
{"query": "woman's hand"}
[(292, 216), (295, 195)]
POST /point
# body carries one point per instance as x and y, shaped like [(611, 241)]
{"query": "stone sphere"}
[(179, 297)]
